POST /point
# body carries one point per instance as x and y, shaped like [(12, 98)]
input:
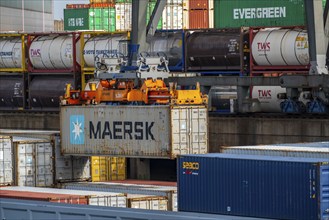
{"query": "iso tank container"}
[(12, 91), (6, 161), (133, 190), (257, 186), (54, 52), (256, 13), (202, 54), (12, 52), (169, 43), (280, 47), (134, 131), (309, 150)]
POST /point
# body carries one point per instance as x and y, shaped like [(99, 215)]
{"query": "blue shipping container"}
[(257, 186)]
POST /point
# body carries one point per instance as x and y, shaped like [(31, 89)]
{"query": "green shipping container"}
[(102, 19), (149, 11), (258, 13), (76, 19)]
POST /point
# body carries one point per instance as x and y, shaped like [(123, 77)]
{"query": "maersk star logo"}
[(77, 124)]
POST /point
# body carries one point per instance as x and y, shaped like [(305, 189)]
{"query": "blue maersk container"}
[(257, 186)]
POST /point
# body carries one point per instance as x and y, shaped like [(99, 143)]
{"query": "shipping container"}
[(257, 13), (134, 131), (102, 19), (123, 13), (93, 198), (6, 161), (307, 150), (76, 19), (199, 19), (198, 4), (147, 202), (49, 197), (108, 168), (257, 186), (151, 189), (34, 165), (149, 11), (175, 15)]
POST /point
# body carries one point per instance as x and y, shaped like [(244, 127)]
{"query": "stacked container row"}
[(139, 195), (38, 162), (108, 168)]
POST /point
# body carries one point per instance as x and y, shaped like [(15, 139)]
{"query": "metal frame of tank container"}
[(261, 69), (23, 38)]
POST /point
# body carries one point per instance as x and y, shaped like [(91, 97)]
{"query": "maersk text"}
[(121, 130), (251, 13)]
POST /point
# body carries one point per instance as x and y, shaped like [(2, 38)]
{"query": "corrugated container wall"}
[(134, 131), (34, 165), (6, 160), (256, 186), (148, 202), (76, 19), (58, 25), (310, 150), (108, 168), (175, 15), (123, 13), (246, 13), (149, 11)]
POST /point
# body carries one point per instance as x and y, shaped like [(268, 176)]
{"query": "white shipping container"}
[(34, 162), (147, 202), (123, 12), (134, 131), (173, 15), (6, 161), (94, 197), (307, 150), (169, 192)]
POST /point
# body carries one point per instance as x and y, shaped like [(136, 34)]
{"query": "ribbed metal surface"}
[(134, 131), (6, 161), (311, 150), (23, 209), (257, 186)]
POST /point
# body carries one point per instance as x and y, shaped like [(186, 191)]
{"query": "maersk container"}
[(169, 192), (6, 160), (309, 150), (134, 131), (257, 186), (258, 13)]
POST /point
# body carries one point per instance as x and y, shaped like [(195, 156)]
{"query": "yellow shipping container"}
[(108, 168)]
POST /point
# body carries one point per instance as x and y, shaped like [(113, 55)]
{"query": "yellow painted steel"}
[(108, 168), (23, 69), (188, 97)]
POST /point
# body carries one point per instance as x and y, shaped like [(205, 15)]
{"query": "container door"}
[(98, 200), (44, 165), (324, 192), (117, 168), (99, 169), (63, 164), (6, 162), (81, 168), (180, 131), (198, 128), (117, 201), (25, 165)]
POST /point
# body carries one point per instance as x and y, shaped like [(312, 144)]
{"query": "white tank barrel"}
[(53, 52), (280, 47), (103, 46), (268, 97), (11, 52)]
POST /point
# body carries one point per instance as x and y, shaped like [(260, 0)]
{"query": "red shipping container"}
[(199, 19), (198, 4), (49, 197)]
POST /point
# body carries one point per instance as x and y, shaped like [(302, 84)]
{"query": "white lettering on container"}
[(251, 13)]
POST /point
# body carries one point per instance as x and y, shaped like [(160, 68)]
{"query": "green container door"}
[(257, 13), (149, 11), (76, 19), (102, 19)]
